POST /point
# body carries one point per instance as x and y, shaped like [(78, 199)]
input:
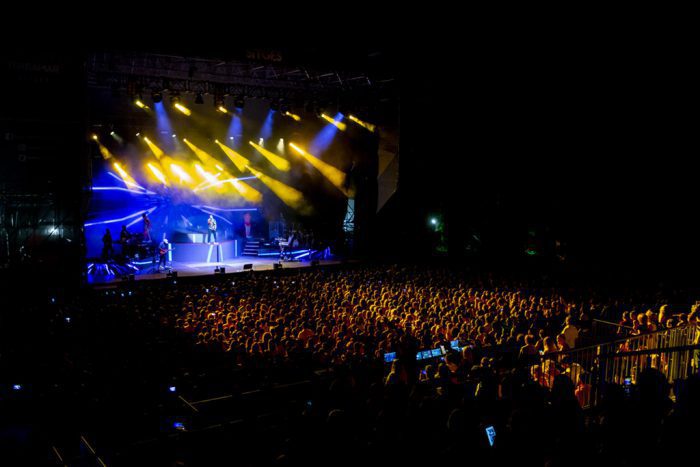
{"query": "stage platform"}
[(185, 269)]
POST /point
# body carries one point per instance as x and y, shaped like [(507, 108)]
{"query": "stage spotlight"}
[(138, 135), (261, 141), (280, 163), (174, 135), (157, 97), (287, 194), (333, 174), (336, 123), (274, 106), (199, 99), (222, 109), (370, 127), (238, 160), (293, 116), (239, 102), (183, 109), (280, 145), (230, 138), (140, 104), (94, 136), (433, 221)]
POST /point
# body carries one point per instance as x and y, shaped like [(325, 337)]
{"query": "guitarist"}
[(163, 252)]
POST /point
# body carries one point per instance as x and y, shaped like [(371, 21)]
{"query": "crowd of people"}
[(496, 398)]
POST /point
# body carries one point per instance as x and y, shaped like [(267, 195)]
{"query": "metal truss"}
[(139, 72)]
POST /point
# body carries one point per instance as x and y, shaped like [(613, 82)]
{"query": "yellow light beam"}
[(180, 172), (363, 124), (104, 151), (289, 196), (183, 109), (334, 175), (247, 191), (124, 175), (158, 152), (293, 116), (140, 104), (239, 161), (279, 162), (337, 123), (157, 173), (211, 178), (208, 160)]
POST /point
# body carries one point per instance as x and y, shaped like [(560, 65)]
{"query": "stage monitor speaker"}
[(171, 274), (248, 267), (277, 266), (220, 271), (314, 262)]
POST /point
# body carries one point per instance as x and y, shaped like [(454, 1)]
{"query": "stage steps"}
[(252, 247)]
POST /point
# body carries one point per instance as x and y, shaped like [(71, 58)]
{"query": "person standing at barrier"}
[(570, 332)]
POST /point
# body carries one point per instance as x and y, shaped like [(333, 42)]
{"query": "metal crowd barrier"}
[(674, 352)]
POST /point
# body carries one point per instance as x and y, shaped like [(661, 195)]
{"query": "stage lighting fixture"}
[(199, 99), (183, 109), (433, 221), (274, 106), (94, 136), (231, 138), (295, 117), (140, 104), (174, 135), (174, 98), (157, 97), (239, 102), (222, 109)]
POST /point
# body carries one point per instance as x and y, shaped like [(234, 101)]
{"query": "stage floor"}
[(204, 269)]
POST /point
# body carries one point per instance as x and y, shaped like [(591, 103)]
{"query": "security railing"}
[(674, 352)]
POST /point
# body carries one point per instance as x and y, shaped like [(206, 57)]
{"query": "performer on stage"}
[(211, 222), (125, 241), (146, 227), (107, 250), (163, 252)]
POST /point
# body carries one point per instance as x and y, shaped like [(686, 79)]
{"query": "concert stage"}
[(185, 269)]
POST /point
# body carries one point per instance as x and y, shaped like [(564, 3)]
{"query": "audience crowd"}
[(509, 394)]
